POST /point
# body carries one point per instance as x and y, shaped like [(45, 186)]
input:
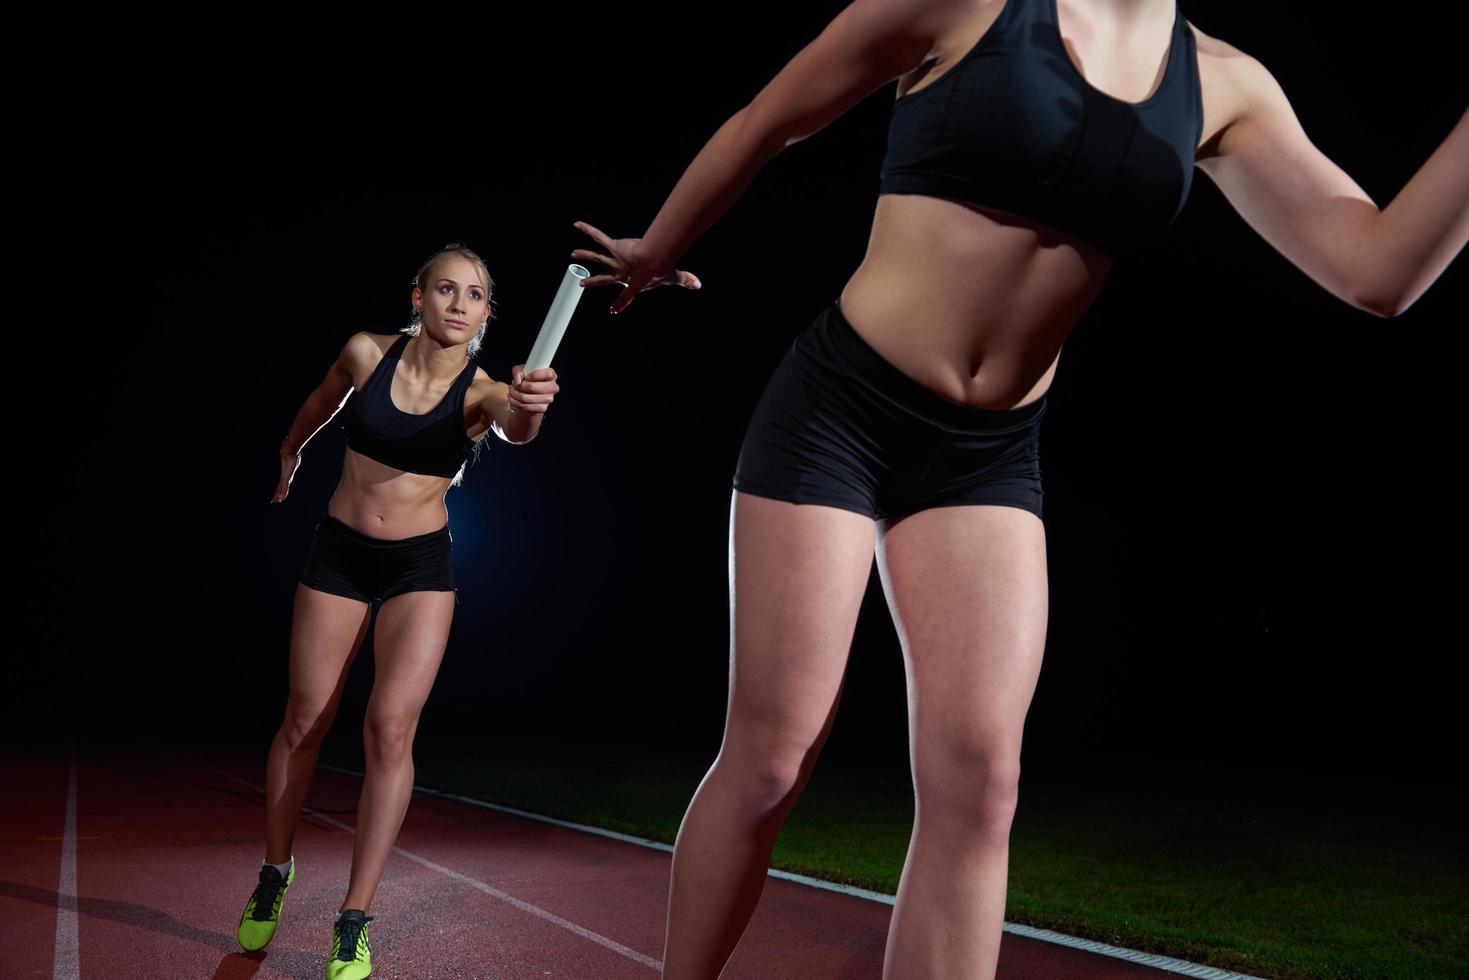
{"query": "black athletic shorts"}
[(344, 561), (841, 426)]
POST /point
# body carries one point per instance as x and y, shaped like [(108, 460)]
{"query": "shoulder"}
[(866, 45), (1219, 57), (1233, 85), (369, 345), (905, 26), (362, 353), (484, 386)]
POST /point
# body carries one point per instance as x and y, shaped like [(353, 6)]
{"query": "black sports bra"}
[(1014, 126), (434, 444)]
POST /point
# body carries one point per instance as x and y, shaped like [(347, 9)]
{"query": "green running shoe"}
[(351, 957), (263, 912)]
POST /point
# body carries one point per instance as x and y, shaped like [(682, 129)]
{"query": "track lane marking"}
[(66, 958), (1155, 960), (479, 886)]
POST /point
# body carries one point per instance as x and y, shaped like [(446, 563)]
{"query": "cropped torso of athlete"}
[(379, 496), (416, 406), (976, 272), (975, 301)]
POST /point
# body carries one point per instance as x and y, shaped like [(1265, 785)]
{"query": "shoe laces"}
[(266, 894), (349, 927)]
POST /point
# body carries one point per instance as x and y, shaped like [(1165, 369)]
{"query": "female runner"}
[(1032, 144), (421, 409)]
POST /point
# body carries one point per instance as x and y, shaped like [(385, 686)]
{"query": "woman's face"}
[(454, 301)]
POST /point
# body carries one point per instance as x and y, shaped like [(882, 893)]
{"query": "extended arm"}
[(867, 45), (324, 400), (1315, 215)]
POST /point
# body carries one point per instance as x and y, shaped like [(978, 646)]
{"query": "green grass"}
[(1241, 881)]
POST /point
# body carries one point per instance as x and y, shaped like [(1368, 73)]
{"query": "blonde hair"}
[(420, 280)]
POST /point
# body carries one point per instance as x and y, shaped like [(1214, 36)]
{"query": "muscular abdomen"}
[(973, 304)]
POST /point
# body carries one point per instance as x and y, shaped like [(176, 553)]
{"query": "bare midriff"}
[(974, 304), (383, 502)]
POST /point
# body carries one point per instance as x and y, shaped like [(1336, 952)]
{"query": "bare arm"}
[(494, 411), (867, 45), (504, 420), (326, 398), (1423, 229), (514, 411), (1315, 215)]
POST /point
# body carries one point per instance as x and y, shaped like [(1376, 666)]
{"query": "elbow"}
[(518, 438), (1375, 294), (1381, 305), (1380, 284), (1374, 281)]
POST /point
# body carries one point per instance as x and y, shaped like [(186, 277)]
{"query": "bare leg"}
[(412, 631), (967, 589), (798, 573), (326, 631)]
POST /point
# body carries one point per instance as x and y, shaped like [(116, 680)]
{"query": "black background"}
[(1253, 499)]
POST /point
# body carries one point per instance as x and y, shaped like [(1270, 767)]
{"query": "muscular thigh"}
[(326, 631), (967, 590), (412, 632), (797, 576)]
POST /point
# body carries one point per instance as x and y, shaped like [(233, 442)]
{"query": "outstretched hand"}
[(630, 268), (532, 394)]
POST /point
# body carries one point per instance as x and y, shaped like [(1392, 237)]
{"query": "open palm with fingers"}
[(629, 265)]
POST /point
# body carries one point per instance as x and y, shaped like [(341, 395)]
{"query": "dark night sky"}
[(1254, 512)]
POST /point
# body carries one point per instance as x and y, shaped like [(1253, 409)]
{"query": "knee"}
[(765, 776), (969, 788), (305, 725), (388, 738)]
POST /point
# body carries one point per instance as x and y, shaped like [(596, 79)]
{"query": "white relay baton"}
[(568, 294)]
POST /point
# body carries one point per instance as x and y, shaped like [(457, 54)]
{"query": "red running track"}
[(166, 853)]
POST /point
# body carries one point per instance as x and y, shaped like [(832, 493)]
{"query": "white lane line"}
[(550, 917), (1167, 963), (67, 958), (480, 886), (1131, 955)]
